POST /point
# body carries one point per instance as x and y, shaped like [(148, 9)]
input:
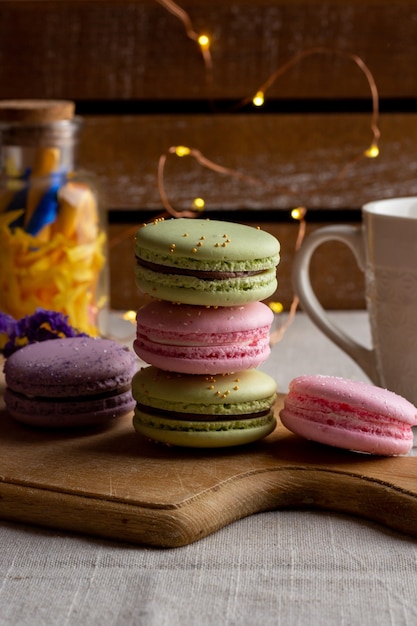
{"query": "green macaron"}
[(206, 262), (203, 411)]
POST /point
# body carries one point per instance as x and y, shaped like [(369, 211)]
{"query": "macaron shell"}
[(207, 245), (200, 340), (349, 414), (73, 366), (214, 360), (192, 322), (356, 394), (62, 415), (211, 439), (231, 394), (348, 438), (192, 290)]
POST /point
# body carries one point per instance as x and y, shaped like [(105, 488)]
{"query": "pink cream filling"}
[(147, 338)]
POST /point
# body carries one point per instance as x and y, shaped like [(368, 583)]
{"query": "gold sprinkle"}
[(218, 393), (228, 240), (236, 387), (237, 380), (194, 250), (210, 387), (199, 244), (258, 228), (185, 235), (217, 245), (224, 245), (202, 238), (225, 236)]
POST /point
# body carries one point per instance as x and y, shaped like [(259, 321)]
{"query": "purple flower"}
[(7, 326), (40, 326)]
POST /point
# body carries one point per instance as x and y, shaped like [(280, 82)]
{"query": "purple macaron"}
[(70, 382)]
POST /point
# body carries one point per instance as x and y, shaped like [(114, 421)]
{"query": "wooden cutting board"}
[(115, 484)]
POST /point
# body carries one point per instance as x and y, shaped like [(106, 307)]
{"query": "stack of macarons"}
[(204, 333)]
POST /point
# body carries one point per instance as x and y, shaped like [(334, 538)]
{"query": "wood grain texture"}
[(114, 484), (296, 158), (136, 49)]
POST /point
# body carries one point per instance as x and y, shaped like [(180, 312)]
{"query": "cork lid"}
[(36, 111)]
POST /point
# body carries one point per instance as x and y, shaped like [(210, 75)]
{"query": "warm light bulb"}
[(130, 316), (203, 41), (298, 213), (276, 307), (372, 152), (182, 151), (198, 204), (258, 99)]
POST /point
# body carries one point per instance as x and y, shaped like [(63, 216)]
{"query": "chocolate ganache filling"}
[(203, 274), (199, 417)]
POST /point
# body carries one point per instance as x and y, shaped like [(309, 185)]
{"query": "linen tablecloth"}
[(277, 568)]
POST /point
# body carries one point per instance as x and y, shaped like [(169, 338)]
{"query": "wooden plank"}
[(295, 157), (137, 52), (338, 282), (136, 49), (115, 484)]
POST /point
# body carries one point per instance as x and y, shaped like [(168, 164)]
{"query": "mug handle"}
[(353, 238)]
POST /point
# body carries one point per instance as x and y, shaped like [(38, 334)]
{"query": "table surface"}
[(281, 567)]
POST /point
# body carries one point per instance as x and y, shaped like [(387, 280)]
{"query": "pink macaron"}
[(203, 340), (349, 414)]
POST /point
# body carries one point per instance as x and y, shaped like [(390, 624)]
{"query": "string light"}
[(276, 307), (182, 151), (204, 42), (130, 316), (372, 152), (258, 99), (199, 204), (298, 213)]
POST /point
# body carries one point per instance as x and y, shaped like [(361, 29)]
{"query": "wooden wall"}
[(142, 86)]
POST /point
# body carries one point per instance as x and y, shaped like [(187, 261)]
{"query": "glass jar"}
[(52, 227)]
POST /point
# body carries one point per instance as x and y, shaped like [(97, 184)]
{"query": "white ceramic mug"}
[(385, 248)]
